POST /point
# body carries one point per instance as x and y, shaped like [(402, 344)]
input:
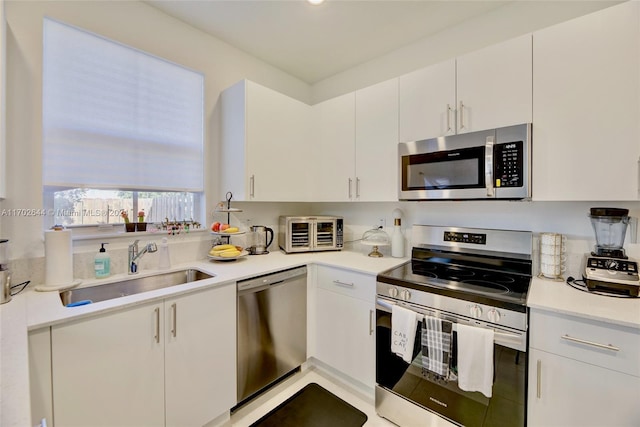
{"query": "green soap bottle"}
[(102, 263)]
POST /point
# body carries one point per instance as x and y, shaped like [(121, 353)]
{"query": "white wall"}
[(130, 22), (514, 19)]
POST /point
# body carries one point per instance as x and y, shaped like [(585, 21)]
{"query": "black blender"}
[(608, 268)]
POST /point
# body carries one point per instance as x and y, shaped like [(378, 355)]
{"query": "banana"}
[(221, 247), (226, 250), (230, 253), (231, 230)]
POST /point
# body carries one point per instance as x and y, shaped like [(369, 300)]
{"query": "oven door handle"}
[(500, 336)]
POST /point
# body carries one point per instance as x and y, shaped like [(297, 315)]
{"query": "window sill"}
[(113, 234)]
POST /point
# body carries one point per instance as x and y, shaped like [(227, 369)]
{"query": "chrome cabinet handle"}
[(338, 282), (591, 343), (157, 335), (252, 186), (350, 181), (370, 322), (174, 319), (538, 378), (357, 187), (461, 115), (448, 118)]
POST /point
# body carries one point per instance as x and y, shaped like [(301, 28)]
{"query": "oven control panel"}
[(458, 237)]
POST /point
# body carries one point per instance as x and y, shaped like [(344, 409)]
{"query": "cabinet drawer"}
[(356, 285), (598, 343)]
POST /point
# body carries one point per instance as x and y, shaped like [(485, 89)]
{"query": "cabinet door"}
[(427, 102), (278, 146), (377, 142), (564, 392), (109, 370), (266, 145), (494, 86), (333, 160), (345, 337), (200, 356), (586, 111)]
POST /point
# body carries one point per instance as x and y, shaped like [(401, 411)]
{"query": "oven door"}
[(395, 377)]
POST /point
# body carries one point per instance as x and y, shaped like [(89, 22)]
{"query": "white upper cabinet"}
[(355, 150), (333, 159), (494, 86), (586, 92), (481, 90), (266, 146), (427, 102), (377, 142)]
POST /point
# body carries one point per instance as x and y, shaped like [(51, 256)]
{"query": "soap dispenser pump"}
[(102, 263)]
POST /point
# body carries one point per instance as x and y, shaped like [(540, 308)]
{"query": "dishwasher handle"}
[(262, 282)]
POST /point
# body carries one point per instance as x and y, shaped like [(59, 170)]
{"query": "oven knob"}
[(393, 292), (493, 315), (405, 295), (476, 311)]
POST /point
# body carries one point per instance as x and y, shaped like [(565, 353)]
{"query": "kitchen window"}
[(122, 129)]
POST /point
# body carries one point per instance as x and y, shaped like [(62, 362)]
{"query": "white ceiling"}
[(316, 42)]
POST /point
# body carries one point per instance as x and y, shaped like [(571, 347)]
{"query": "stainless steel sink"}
[(131, 286)]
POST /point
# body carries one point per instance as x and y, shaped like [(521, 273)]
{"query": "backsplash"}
[(180, 250)]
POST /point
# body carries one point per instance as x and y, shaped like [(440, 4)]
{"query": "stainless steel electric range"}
[(474, 277)]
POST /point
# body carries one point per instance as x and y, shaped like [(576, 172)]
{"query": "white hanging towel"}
[(404, 323), (475, 359)]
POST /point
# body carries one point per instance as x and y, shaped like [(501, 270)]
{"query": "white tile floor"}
[(251, 412)]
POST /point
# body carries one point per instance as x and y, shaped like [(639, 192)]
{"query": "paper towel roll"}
[(58, 252)]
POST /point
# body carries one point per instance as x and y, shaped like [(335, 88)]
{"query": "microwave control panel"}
[(508, 164)]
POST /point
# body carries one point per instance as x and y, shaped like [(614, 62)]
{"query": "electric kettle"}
[(261, 237)]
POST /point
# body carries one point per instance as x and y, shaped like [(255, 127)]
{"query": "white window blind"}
[(116, 117)]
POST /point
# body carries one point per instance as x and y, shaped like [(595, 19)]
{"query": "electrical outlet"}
[(383, 222)]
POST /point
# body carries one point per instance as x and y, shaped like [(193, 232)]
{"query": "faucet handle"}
[(135, 243)]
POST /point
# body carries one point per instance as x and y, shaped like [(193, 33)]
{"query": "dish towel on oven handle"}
[(436, 346), (475, 359), (404, 323)]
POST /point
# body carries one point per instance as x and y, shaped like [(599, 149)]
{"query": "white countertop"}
[(32, 310), (561, 298)]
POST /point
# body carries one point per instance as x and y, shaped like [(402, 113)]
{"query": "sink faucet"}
[(135, 254)]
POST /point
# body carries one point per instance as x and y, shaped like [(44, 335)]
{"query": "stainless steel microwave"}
[(487, 165), (310, 233)]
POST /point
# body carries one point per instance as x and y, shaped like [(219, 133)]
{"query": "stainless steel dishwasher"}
[(272, 328)]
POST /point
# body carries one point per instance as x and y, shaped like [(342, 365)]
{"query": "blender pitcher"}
[(609, 225)]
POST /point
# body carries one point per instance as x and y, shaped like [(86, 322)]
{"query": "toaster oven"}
[(310, 233)]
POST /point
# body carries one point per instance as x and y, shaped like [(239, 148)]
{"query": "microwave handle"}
[(488, 166)]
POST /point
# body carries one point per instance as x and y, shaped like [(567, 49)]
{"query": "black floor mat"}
[(313, 406)]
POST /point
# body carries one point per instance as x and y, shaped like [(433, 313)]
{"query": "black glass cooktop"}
[(480, 278)]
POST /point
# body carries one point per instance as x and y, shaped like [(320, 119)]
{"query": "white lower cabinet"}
[(565, 392), (345, 319), (165, 363), (582, 373)]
